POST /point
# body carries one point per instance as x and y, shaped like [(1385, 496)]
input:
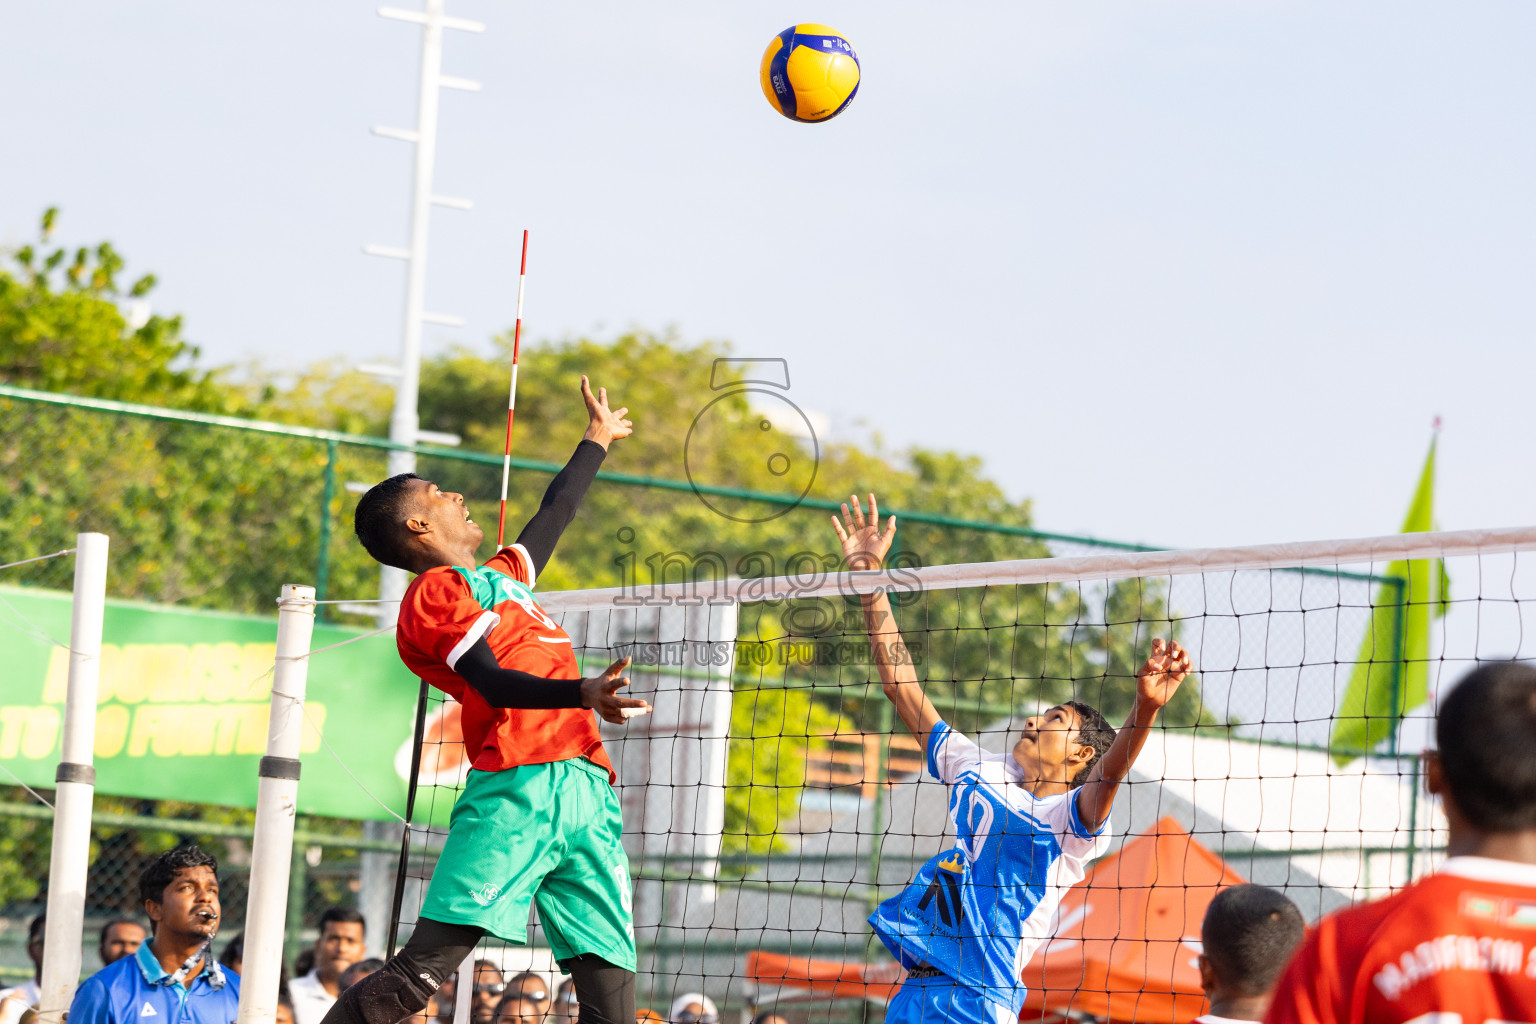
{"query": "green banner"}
[(184, 700)]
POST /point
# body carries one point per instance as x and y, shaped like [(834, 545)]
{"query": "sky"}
[(1189, 273)]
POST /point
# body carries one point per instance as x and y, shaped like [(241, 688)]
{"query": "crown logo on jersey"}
[(954, 862)]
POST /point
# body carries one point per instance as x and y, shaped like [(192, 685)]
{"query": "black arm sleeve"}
[(510, 688), (560, 503)]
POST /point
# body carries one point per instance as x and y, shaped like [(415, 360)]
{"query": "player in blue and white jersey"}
[(1027, 823)]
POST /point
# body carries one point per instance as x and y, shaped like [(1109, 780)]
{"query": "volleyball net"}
[(769, 803)]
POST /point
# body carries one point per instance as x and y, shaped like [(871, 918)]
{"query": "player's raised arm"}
[(1156, 684), (864, 547), (569, 486)]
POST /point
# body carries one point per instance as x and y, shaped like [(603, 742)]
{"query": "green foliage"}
[(220, 518), (61, 330), (773, 730)]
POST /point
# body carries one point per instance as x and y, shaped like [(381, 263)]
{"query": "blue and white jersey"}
[(979, 911)]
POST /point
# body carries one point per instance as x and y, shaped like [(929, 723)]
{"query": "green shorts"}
[(545, 833)]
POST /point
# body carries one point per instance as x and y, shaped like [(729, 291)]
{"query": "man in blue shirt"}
[(173, 978), (1027, 824)]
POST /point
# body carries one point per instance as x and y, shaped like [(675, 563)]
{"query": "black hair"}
[(379, 520), (524, 976), (1485, 730), (35, 927), (341, 915), (361, 970), (1248, 936), (304, 961), (514, 996), (162, 870), (234, 950), (1094, 730), (765, 1016), (114, 923)]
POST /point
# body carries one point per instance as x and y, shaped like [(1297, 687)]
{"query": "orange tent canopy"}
[(1125, 946)]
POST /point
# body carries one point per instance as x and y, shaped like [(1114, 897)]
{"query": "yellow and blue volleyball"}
[(810, 73)]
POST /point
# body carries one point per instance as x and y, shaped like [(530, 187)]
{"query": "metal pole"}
[(464, 991), (276, 805), (1413, 819), (1399, 662), (76, 777), (403, 422), (298, 879), (327, 495)]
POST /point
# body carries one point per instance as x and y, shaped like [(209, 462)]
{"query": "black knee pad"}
[(605, 992), (405, 984), (389, 996)]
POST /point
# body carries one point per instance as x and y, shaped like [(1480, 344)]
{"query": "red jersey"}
[(445, 610), (1458, 947)]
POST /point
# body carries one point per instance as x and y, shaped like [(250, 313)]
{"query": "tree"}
[(61, 330), (220, 518)]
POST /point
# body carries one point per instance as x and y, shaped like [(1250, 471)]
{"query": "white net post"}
[(76, 784), (276, 806)]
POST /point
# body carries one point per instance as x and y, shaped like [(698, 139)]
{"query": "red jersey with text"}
[(1458, 947), (446, 610)]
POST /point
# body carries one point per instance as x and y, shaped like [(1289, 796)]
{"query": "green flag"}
[(1392, 670)]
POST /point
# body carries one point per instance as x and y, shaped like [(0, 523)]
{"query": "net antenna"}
[(517, 344)]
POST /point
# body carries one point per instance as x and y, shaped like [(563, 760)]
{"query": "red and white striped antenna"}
[(517, 344)]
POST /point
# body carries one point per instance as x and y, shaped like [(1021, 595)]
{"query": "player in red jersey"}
[(538, 821), (1458, 947)]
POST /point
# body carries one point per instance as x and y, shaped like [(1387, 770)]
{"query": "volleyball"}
[(810, 73)]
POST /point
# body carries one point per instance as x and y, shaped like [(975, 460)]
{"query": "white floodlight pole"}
[(76, 782), (403, 422), (277, 792), (376, 882)]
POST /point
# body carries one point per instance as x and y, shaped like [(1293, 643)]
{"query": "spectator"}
[(488, 990), (645, 1015), (518, 1009), (693, 1008), (1452, 946), (284, 1007), (358, 971), (304, 962), (233, 956), (531, 985), (566, 1007), (339, 946), (16, 1001), (1248, 935), (769, 1017), (121, 937), (173, 976)]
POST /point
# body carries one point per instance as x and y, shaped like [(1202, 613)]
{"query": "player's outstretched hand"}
[(601, 694), (607, 425), (1160, 677), (864, 543)]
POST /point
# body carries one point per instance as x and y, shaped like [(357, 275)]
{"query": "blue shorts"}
[(943, 1000)]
